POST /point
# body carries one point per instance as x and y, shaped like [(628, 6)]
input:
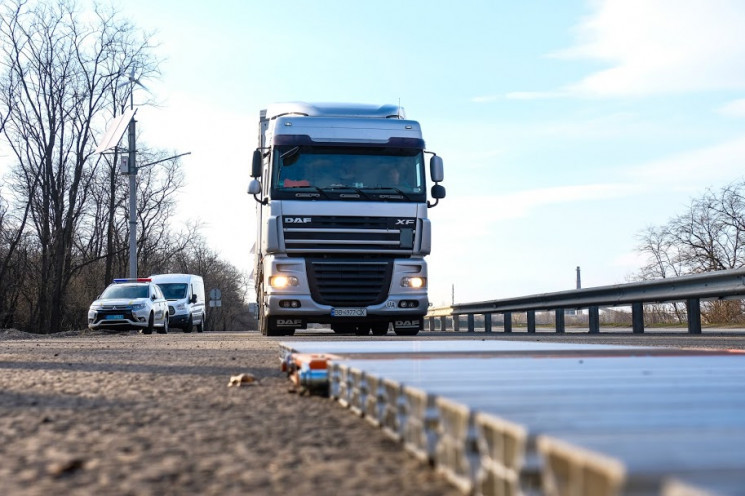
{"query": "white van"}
[(185, 295)]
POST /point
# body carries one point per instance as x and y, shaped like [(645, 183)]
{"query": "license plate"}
[(114, 317), (349, 312)]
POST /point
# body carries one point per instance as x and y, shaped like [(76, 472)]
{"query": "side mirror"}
[(256, 164), (437, 192), (193, 298), (436, 170), (153, 297), (254, 187)]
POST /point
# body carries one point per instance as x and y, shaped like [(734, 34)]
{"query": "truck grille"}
[(339, 234), (349, 282)]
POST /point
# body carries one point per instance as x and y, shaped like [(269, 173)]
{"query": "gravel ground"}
[(127, 414)]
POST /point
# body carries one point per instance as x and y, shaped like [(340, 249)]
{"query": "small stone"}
[(239, 380)]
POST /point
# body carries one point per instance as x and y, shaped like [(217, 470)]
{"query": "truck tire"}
[(189, 325), (200, 326), (267, 329), (263, 323), (379, 328), (343, 328)]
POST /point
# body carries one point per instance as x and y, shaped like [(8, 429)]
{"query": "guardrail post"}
[(431, 324), (443, 323), (487, 322), (507, 321), (693, 307), (531, 321), (456, 323), (560, 321), (470, 320), (637, 317), (594, 318)]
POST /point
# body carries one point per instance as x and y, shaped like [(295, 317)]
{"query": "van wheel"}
[(200, 326), (150, 325), (189, 325)]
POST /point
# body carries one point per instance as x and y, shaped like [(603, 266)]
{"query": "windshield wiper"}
[(290, 153), (397, 190), (320, 190), (353, 188)]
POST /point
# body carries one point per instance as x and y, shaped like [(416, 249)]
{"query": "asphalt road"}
[(128, 414)]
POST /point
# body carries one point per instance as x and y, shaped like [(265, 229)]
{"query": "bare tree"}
[(709, 236), (56, 91)]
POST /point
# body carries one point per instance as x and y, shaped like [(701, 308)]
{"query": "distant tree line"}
[(63, 209), (708, 236)]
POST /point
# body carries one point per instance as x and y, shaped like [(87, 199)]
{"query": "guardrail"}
[(691, 289)]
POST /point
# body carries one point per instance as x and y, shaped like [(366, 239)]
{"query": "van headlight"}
[(283, 281), (415, 282)]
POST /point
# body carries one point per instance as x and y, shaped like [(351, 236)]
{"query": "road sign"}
[(215, 294)]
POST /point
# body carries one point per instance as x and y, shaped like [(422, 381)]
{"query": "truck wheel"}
[(200, 326), (189, 325), (379, 328), (263, 323), (343, 328)]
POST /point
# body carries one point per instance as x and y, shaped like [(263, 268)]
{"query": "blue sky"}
[(566, 127)]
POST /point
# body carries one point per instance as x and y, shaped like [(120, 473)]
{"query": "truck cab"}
[(342, 231)]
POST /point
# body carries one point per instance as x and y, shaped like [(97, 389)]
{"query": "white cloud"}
[(457, 214), (695, 169), (485, 99), (735, 108), (534, 95), (661, 46)]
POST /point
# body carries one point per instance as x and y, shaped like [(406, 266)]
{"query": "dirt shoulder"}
[(128, 414)]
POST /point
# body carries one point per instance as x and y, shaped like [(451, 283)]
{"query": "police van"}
[(185, 295)]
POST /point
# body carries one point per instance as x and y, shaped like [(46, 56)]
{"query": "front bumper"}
[(389, 309), (178, 320), (98, 319)]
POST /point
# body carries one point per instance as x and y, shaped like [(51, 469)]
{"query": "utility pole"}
[(109, 141), (579, 281), (132, 173)]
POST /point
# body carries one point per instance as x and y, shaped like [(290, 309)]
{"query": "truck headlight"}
[(283, 281), (415, 282)]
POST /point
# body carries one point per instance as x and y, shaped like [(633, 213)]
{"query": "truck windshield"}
[(372, 172)]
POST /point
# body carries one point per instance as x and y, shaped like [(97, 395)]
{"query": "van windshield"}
[(174, 291)]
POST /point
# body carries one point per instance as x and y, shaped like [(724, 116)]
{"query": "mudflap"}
[(408, 326), (287, 324)]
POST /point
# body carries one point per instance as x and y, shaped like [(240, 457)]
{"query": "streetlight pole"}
[(132, 172)]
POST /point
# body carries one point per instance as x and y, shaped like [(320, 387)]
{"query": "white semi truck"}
[(342, 227)]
